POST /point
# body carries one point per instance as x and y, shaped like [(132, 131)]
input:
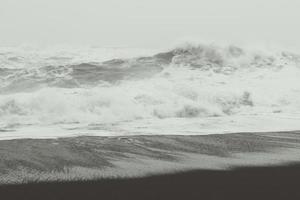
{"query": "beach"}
[(195, 121), (128, 165), (276, 182), (89, 158)]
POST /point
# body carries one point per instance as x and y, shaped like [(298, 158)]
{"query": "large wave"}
[(190, 81)]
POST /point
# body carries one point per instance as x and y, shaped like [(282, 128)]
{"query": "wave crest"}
[(191, 81)]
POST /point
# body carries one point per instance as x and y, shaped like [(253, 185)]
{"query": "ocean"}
[(191, 89)]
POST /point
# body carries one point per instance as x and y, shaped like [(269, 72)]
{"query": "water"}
[(191, 89)]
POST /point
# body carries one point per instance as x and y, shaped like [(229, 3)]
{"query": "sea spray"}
[(188, 83)]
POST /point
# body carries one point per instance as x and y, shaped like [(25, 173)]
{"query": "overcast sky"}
[(148, 23)]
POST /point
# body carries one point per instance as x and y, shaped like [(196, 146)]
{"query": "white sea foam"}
[(194, 89)]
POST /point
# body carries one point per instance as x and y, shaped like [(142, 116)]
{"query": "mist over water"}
[(191, 89)]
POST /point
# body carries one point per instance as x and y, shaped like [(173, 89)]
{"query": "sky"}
[(149, 23)]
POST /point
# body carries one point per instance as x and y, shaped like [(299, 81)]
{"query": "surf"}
[(207, 86)]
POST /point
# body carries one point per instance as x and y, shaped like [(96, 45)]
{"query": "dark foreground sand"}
[(153, 167), (240, 184)]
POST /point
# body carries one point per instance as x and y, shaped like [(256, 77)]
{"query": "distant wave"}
[(202, 57), (191, 81)]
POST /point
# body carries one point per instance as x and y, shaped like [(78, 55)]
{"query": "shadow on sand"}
[(251, 183)]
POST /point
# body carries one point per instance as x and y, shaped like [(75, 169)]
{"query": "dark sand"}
[(28, 160), (137, 167), (268, 183)]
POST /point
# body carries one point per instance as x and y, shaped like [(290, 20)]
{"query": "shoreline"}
[(275, 122), (91, 158)]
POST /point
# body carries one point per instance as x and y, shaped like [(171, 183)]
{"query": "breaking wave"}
[(190, 81)]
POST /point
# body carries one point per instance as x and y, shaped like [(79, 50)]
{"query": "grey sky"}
[(148, 23)]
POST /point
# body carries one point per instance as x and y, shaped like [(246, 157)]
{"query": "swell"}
[(191, 81), (80, 75), (224, 60)]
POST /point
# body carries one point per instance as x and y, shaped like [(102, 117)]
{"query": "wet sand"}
[(229, 166), (252, 183), (91, 158)]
